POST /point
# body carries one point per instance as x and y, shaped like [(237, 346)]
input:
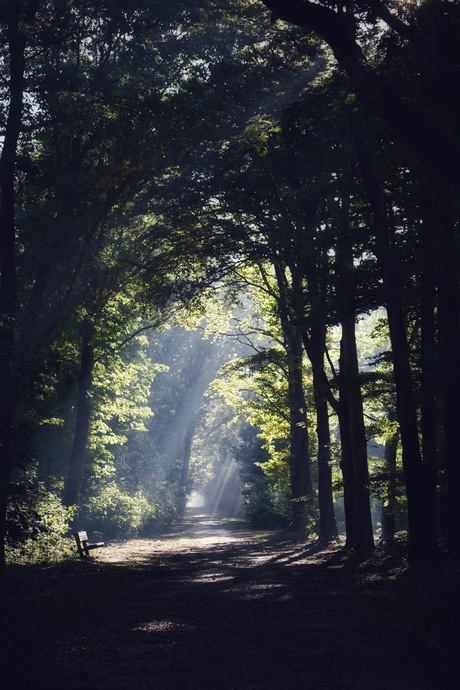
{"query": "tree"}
[(16, 20), (89, 146), (124, 190), (429, 28), (420, 43), (299, 461)]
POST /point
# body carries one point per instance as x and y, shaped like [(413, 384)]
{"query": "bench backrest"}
[(82, 536)]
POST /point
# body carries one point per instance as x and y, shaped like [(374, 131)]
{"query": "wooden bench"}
[(83, 545)]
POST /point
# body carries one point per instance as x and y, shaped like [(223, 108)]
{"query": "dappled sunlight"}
[(267, 590), (159, 626), (194, 535), (139, 550), (213, 606), (227, 499), (213, 577)]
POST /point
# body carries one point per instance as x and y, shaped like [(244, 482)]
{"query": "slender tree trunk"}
[(301, 488), (346, 463), (350, 386), (349, 373), (313, 334), (315, 346), (327, 523), (389, 504), (75, 474), (299, 461)]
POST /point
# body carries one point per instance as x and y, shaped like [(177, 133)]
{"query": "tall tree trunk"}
[(18, 22), (315, 347), (75, 474), (422, 535), (299, 461), (327, 523), (428, 394), (447, 259), (301, 487), (350, 386), (8, 382), (313, 333), (346, 462), (349, 373), (323, 395), (389, 503)]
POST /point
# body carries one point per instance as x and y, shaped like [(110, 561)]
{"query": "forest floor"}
[(214, 606)]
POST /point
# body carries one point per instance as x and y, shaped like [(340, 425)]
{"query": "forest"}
[(229, 267)]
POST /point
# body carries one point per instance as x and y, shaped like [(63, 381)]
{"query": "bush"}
[(264, 506), (166, 509), (36, 523), (116, 513)]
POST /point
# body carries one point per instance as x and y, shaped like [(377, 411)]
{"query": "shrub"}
[(166, 509), (114, 512), (36, 523), (264, 506)]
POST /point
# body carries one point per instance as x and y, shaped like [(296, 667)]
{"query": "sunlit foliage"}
[(37, 523)]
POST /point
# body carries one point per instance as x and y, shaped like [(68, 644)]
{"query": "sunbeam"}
[(226, 499)]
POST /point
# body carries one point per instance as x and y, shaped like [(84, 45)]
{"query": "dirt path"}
[(213, 607)]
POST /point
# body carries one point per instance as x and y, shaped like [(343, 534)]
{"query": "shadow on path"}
[(213, 605)]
